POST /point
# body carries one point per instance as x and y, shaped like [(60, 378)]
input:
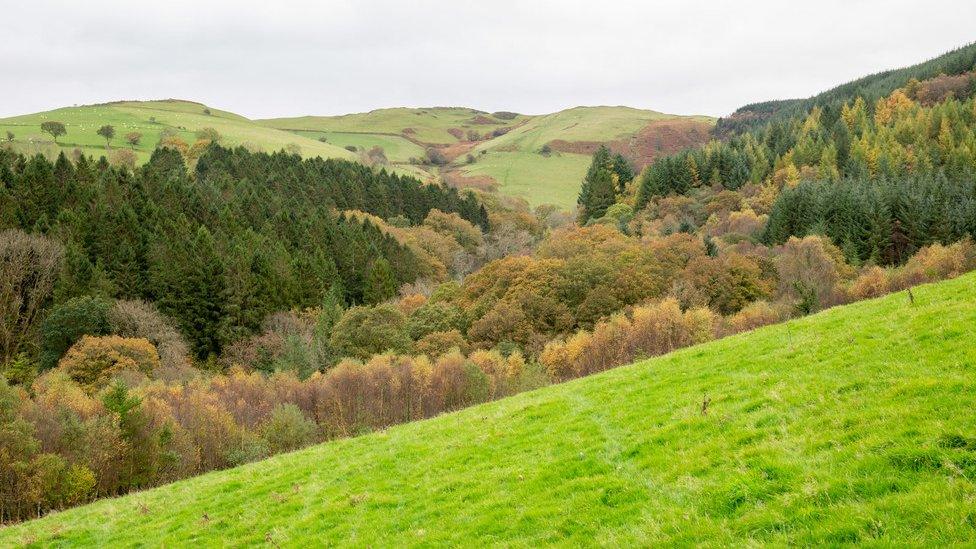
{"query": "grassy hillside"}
[(425, 125), (853, 425), (515, 163), (150, 118), (506, 152), (509, 162), (577, 124)]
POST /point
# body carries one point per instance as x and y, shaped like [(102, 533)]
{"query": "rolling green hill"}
[(150, 118), (852, 425), (504, 148), (425, 125), (515, 163), (506, 154)]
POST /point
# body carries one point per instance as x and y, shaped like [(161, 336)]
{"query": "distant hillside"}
[(151, 119), (849, 426), (544, 160), (405, 134), (433, 125), (505, 151), (539, 158)]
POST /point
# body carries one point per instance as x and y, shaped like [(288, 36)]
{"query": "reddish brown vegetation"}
[(938, 89), (657, 138), (482, 119), (460, 181), (455, 150), (662, 137)]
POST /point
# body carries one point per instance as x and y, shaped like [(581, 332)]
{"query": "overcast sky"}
[(284, 58)]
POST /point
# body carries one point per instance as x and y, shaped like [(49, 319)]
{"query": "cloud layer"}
[(294, 58)]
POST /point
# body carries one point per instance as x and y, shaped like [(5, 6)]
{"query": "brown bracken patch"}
[(458, 180), (657, 138), (482, 119), (455, 150)]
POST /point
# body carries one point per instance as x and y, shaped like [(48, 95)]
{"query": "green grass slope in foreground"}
[(186, 117), (856, 424)]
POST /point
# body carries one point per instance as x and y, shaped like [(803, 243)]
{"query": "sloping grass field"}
[(553, 179), (577, 124), (853, 425), (396, 148), (427, 125), (514, 161), (511, 160), (150, 118)]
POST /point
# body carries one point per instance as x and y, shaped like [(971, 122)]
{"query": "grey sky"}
[(264, 59)]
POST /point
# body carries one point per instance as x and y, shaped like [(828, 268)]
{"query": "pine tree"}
[(598, 191), (380, 283)]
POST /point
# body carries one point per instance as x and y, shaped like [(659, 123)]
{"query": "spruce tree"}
[(380, 283), (598, 191)]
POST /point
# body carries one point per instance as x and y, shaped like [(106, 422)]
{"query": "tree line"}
[(220, 247), (881, 179)]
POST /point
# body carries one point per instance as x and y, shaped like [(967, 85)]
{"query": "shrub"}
[(210, 135), (755, 315), (872, 282), (605, 348), (504, 115), (662, 327), (376, 155), (123, 158), (653, 329), (388, 389), (936, 262), (436, 157), (133, 138), (504, 373), (809, 270), (94, 361), (288, 429), (456, 382), (557, 359)]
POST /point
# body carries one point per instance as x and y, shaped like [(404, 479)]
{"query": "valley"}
[(441, 326)]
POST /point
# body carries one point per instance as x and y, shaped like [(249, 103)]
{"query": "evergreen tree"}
[(599, 188), (380, 282)]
